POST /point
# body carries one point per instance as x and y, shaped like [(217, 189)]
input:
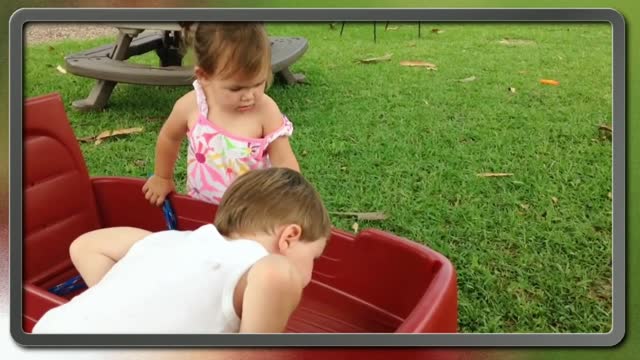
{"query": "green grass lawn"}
[(532, 250)]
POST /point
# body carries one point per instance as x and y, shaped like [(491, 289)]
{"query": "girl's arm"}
[(280, 151), (167, 147), (281, 154), (94, 253)]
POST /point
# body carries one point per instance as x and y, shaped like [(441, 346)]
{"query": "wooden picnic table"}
[(109, 66)]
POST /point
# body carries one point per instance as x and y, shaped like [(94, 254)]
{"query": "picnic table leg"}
[(289, 77), (102, 90), (169, 53)]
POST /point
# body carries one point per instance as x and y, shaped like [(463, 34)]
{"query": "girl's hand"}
[(156, 189)]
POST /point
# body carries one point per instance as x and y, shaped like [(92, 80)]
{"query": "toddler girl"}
[(232, 125)]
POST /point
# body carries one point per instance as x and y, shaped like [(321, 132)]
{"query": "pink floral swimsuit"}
[(216, 157)]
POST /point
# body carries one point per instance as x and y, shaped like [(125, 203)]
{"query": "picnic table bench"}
[(107, 64)]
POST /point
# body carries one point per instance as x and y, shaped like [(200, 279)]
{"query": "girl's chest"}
[(213, 143), (242, 126)]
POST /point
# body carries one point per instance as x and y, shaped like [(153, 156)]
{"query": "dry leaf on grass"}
[(110, 133), (516, 42), (554, 199), (424, 64), (437, 31), (549, 82), (139, 163), (371, 216), (469, 79), (609, 195), (355, 227), (494, 174), (87, 139), (374, 60), (524, 206), (605, 127), (606, 131), (61, 69)]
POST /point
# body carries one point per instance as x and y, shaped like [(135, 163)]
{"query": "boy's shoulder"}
[(277, 273)]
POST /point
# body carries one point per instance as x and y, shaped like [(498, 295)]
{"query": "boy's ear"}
[(288, 235)]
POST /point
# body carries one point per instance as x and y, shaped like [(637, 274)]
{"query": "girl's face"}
[(238, 93)]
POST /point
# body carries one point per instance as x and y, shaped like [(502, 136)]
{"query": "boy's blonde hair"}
[(228, 48), (261, 200)]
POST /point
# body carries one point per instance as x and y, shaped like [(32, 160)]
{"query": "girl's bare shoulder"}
[(186, 103)]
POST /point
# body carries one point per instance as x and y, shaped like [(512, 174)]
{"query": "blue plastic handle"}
[(169, 215), (73, 284)]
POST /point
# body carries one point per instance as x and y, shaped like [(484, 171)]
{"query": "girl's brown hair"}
[(261, 200), (226, 49)]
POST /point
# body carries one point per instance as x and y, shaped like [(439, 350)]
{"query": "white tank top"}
[(172, 282)]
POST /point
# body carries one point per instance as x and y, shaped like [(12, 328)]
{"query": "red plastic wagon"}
[(370, 282)]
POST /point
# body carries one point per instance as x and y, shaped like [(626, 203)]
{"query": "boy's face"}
[(238, 93), (303, 254)]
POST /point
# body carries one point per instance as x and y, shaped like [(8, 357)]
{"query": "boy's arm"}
[(94, 253), (272, 294)]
